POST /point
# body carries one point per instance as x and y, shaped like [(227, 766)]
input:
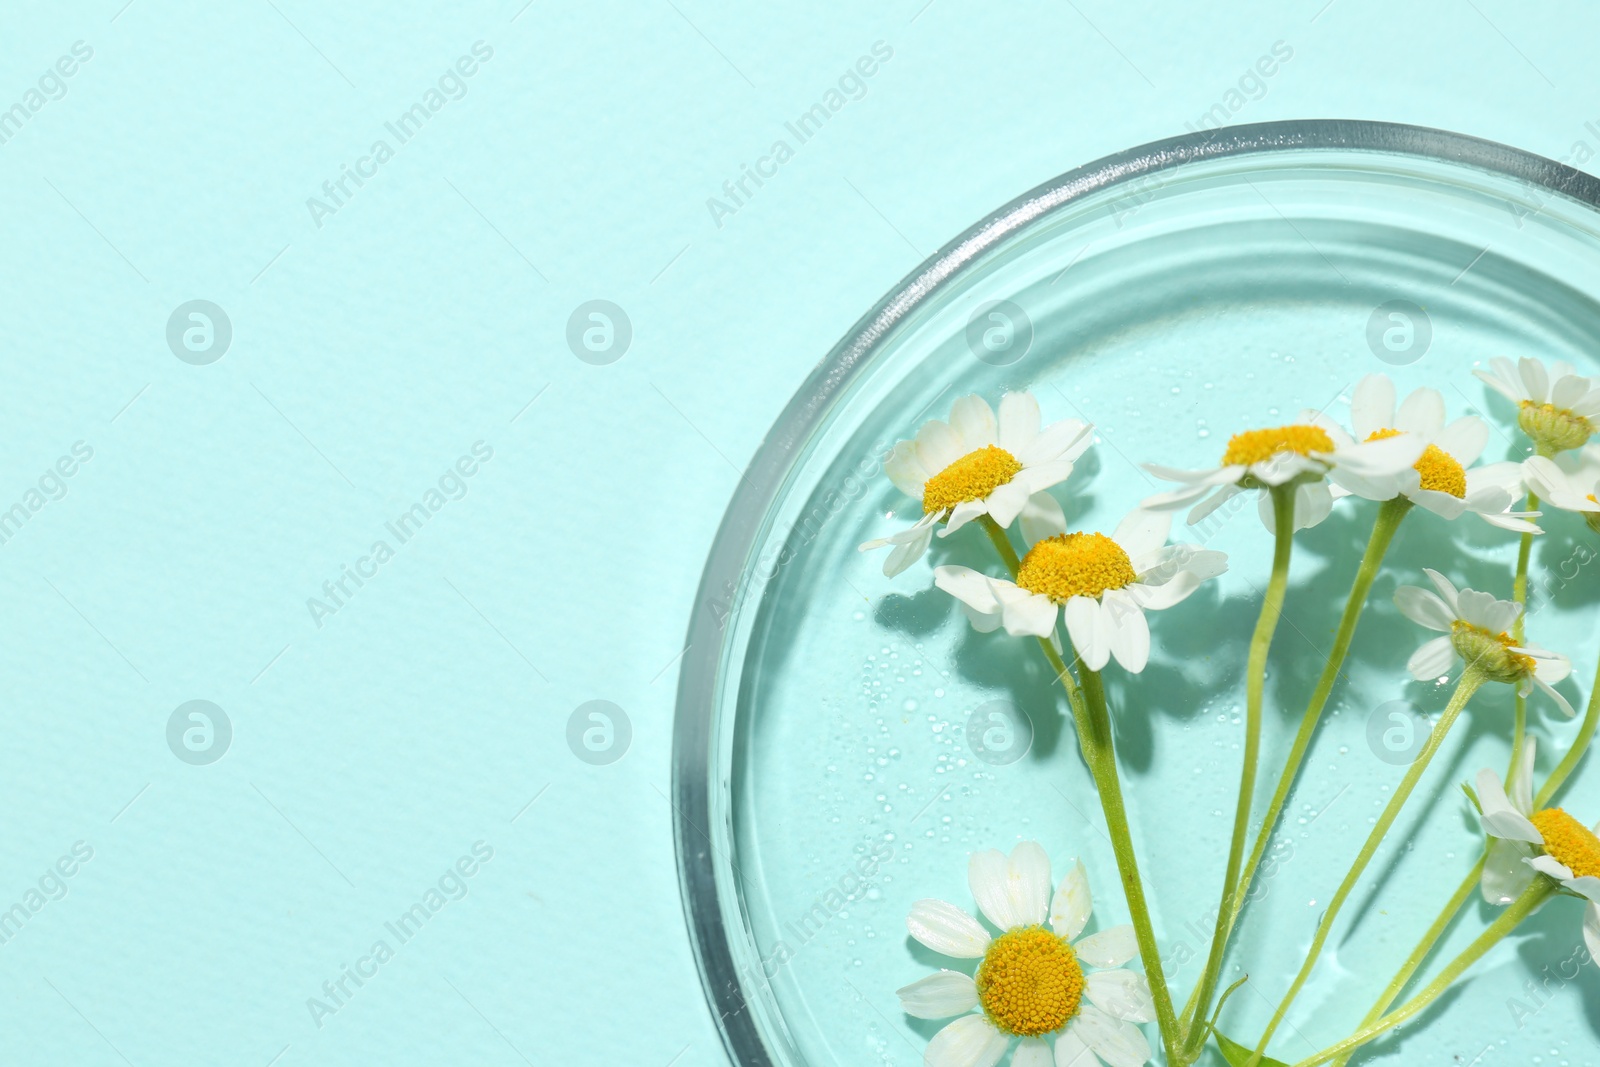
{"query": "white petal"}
[(938, 446), (1433, 660), (1446, 591), (1505, 871), (970, 1041), (1064, 440), (1008, 500), (1203, 509), (1591, 929), (1386, 455), (904, 468), (968, 586), (1118, 1043), (947, 929), (973, 418), (1372, 405), (1500, 819), (1142, 531), (962, 514), (1108, 948), (1561, 702), (1421, 413), (939, 996), (1124, 994), (986, 875), (1128, 628), (1072, 1052), (1503, 379), (1092, 641), (1069, 911), (1424, 608), (1029, 615), (1041, 517), (1019, 421), (1028, 878), (1032, 1052), (1534, 379), (1551, 866), (1464, 439), (1208, 477), (1588, 886)]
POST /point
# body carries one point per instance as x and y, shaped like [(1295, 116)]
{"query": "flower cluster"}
[(1085, 598)]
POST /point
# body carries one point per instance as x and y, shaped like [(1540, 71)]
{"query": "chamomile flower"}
[(1305, 454), (1477, 632), (1570, 481), (1443, 479), (979, 464), (1556, 407), (1102, 585), (1523, 841), (1030, 982)]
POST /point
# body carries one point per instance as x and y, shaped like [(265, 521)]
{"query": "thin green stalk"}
[(1524, 906), (1471, 679), (1255, 687), (1424, 949), (1109, 783), (1580, 745), (1093, 723), (1519, 630), (1464, 892), (1384, 527)]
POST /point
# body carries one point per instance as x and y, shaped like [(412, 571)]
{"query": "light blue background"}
[(429, 313)]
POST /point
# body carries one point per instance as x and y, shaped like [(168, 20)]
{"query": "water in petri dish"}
[(878, 740)]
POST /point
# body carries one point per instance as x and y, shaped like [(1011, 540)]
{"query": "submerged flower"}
[(1443, 479), (1304, 454), (1030, 982), (1103, 585), (977, 464), (1570, 481), (1477, 631), (1551, 842), (1555, 407)]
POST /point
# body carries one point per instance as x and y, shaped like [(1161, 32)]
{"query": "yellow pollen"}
[(1569, 842), (1075, 564), (972, 477), (1029, 982), (1258, 446), (1439, 469)]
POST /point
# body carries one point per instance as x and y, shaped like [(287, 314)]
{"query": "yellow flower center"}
[(1029, 982), (1490, 653), (1438, 468), (972, 477), (1553, 429), (1258, 446), (1075, 564), (1569, 842)]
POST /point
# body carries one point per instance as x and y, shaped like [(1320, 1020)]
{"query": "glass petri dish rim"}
[(697, 776)]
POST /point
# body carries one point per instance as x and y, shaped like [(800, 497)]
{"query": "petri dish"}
[(843, 740)]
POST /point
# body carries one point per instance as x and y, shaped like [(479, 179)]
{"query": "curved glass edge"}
[(699, 832)]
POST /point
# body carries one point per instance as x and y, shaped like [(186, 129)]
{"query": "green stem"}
[(1109, 783), (1255, 686), (1519, 630), (1536, 894), (1463, 893), (1384, 527), (1471, 679), (1002, 543), (1093, 723), (1424, 949), (1580, 745)]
